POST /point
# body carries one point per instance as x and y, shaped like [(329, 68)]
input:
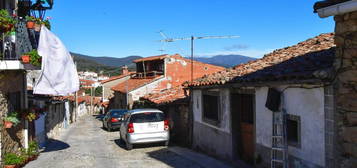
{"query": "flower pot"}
[(37, 27), (9, 166), (25, 59), (30, 24), (8, 124)]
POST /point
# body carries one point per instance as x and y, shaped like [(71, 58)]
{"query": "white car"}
[(144, 126)]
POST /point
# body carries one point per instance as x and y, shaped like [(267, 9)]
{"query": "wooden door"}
[(243, 126)]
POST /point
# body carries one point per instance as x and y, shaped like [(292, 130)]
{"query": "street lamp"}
[(25, 7)]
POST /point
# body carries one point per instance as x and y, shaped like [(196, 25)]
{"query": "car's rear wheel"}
[(129, 146)]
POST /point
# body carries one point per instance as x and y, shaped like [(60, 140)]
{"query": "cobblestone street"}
[(86, 144)]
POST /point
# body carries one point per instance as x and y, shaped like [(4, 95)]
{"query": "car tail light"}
[(130, 128), (166, 125), (114, 120)]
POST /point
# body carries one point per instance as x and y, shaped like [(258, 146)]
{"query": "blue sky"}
[(120, 28)]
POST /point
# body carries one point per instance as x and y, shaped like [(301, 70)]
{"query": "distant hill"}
[(225, 60), (109, 61), (109, 65)]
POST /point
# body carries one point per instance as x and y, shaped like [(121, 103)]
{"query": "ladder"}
[(279, 149)]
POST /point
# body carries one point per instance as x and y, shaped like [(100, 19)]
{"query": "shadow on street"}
[(55, 145), (136, 146)]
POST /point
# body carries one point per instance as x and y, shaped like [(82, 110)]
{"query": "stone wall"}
[(55, 119), (346, 90), (177, 113), (11, 82)]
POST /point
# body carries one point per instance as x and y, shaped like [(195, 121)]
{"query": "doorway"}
[(242, 112)]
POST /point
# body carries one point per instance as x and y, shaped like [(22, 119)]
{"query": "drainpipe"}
[(26, 132), (338, 9)]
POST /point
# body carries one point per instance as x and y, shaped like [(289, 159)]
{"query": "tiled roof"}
[(326, 3), (166, 96), (301, 61), (86, 82), (116, 77), (133, 84), (159, 57)]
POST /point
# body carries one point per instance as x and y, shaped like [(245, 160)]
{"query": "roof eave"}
[(337, 9)]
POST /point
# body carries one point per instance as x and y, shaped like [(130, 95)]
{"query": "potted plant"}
[(35, 59), (31, 116), (32, 151), (11, 120), (7, 22), (25, 59), (30, 22), (11, 160)]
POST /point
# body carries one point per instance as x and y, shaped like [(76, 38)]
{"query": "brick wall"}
[(346, 90)]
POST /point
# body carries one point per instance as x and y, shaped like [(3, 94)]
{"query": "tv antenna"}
[(192, 39)]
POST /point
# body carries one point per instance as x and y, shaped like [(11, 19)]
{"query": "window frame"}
[(219, 104), (297, 119)]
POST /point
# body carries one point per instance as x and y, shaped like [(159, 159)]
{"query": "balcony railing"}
[(150, 74), (13, 46)]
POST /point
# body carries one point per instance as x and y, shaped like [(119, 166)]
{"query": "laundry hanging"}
[(58, 72)]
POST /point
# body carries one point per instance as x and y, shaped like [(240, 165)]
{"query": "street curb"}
[(200, 159)]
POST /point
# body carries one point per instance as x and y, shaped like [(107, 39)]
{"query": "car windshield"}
[(118, 113), (147, 117)]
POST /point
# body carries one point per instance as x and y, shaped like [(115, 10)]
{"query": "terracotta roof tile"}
[(166, 95), (116, 77), (309, 57), (133, 84), (158, 57)]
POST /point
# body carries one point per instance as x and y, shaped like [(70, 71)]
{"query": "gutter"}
[(338, 9)]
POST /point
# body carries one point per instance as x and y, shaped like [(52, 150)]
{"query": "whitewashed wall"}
[(309, 105), (141, 91), (225, 125)]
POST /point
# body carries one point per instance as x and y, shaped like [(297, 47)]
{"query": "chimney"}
[(125, 70)]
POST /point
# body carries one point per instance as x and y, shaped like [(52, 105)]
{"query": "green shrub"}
[(12, 159), (12, 117)]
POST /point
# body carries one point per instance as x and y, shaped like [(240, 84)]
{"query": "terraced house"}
[(241, 107), (15, 41), (157, 73), (22, 112)]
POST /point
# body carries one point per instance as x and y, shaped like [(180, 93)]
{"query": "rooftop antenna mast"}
[(192, 39)]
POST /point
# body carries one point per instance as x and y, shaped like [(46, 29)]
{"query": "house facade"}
[(157, 73), (344, 123), (231, 106), (113, 81)]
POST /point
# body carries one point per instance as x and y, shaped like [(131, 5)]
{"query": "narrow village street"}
[(86, 144)]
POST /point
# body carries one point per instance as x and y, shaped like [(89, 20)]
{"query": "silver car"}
[(144, 126)]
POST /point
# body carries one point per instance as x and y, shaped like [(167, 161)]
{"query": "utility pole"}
[(192, 39), (91, 100)]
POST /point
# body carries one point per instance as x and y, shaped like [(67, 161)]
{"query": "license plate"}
[(152, 125)]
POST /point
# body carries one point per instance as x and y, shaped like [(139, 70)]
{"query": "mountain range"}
[(110, 65)]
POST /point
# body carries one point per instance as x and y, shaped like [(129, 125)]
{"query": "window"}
[(293, 130), (211, 106), (147, 117)]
